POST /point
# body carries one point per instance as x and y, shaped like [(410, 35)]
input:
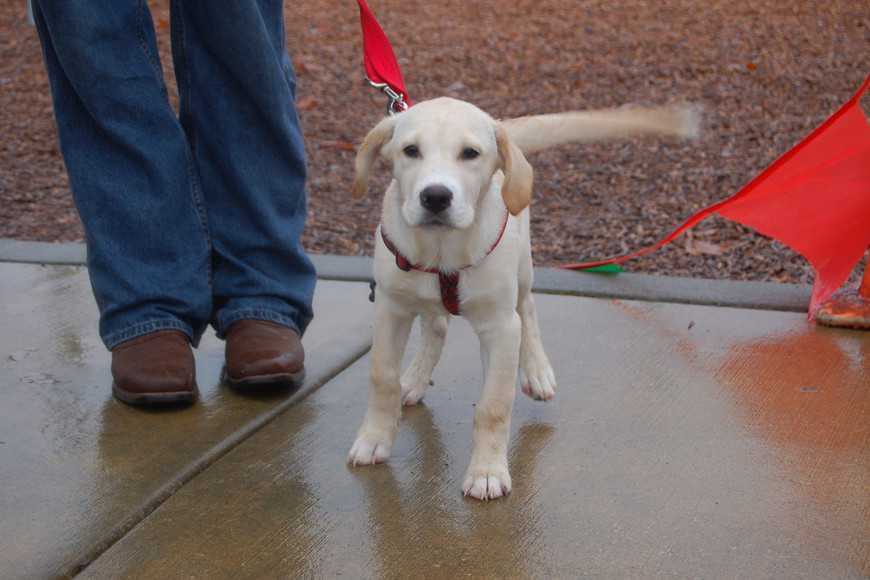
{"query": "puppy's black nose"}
[(436, 198)]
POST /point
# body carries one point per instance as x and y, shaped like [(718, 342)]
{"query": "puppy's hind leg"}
[(536, 374), (375, 438), (418, 376)]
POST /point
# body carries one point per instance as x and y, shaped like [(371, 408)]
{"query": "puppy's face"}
[(444, 154)]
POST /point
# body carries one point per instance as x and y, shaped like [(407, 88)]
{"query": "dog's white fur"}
[(496, 292)]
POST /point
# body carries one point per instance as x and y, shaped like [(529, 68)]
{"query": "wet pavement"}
[(77, 468), (684, 441)]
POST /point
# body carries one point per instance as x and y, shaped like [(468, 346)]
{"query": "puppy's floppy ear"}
[(518, 175), (368, 152)]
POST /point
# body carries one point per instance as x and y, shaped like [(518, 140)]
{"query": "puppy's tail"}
[(539, 132)]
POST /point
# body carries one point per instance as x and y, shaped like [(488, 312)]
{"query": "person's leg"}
[(237, 90), (130, 170)]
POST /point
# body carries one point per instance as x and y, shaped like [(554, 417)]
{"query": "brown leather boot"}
[(156, 368), (260, 353)]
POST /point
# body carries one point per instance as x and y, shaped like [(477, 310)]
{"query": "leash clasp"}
[(397, 102)]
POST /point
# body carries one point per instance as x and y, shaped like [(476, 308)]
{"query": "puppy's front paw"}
[(369, 449), (537, 378), (485, 482)]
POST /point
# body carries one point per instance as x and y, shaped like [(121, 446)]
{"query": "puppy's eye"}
[(469, 153), (412, 151)]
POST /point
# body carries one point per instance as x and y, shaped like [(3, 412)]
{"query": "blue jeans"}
[(190, 219)]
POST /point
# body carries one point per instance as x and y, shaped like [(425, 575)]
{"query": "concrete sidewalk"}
[(684, 441)]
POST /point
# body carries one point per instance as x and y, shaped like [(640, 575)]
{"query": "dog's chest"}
[(425, 292), (418, 291)]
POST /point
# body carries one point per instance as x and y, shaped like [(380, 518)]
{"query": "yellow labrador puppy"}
[(454, 239)]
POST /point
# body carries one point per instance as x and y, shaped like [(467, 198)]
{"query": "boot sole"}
[(155, 399), (277, 380)]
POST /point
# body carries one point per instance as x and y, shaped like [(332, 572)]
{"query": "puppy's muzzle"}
[(436, 198)]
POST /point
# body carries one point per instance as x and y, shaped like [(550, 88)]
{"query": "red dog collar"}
[(449, 283)]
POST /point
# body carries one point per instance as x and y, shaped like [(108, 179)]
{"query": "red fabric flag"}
[(815, 199)]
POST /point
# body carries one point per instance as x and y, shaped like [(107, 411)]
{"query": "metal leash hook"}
[(397, 102)]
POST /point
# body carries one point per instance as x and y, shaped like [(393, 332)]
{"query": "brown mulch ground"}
[(766, 72)]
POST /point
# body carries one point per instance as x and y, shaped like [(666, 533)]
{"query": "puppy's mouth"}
[(435, 221)]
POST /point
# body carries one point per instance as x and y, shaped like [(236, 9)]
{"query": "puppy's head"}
[(444, 154)]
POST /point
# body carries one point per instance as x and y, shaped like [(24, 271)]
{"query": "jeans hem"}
[(141, 328), (224, 321)]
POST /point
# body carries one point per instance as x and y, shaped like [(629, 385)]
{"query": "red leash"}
[(382, 68)]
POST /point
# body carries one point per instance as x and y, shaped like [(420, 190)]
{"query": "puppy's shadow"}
[(427, 460), (410, 519), (513, 525), (413, 502), (525, 454)]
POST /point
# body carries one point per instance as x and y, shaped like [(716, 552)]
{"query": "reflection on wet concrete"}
[(409, 541), (78, 468), (643, 467), (808, 394), (684, 441), (806, 391)]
